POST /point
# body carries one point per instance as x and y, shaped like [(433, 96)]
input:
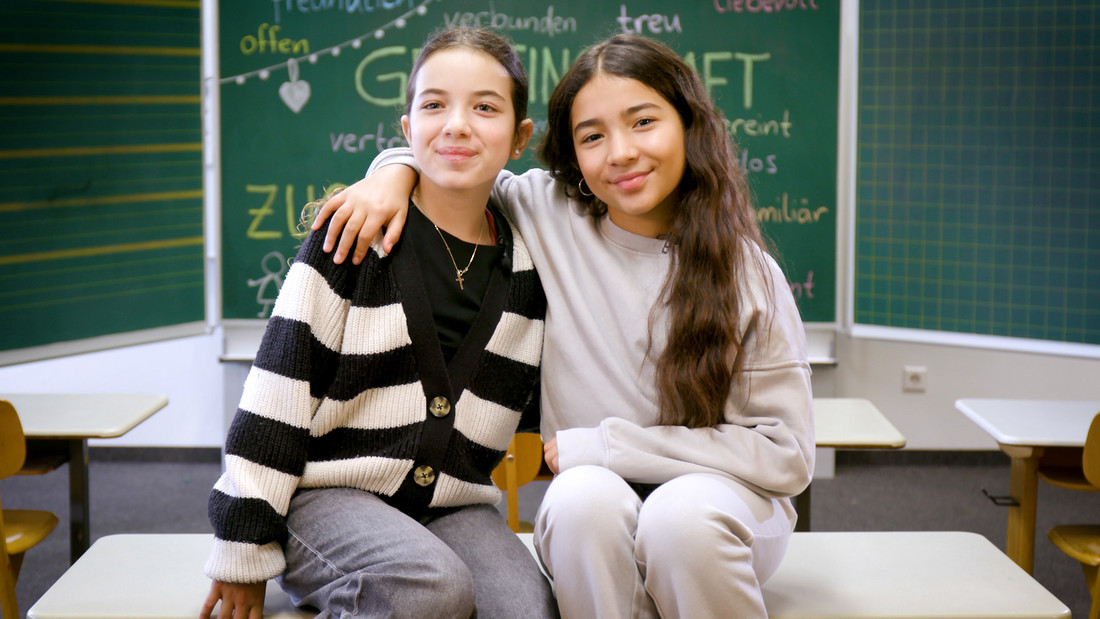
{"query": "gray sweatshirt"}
[(599, 394)]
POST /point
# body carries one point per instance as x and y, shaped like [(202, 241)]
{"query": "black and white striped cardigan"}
[(345, 392)]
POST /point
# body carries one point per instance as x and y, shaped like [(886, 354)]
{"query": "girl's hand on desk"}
[(550, 451), (240, 600)]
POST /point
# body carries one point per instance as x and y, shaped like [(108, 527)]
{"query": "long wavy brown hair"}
[(710, 227)]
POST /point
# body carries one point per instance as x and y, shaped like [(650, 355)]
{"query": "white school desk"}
[(1031, 432), (847, 423), (824, 575), (853, 423), (896, 574), (74, 418)]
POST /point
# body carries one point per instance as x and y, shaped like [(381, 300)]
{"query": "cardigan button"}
[(439, 406), (424, 475)]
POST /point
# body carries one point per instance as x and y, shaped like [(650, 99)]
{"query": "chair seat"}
[(1080, 541), (23, 528), (1068, 477)]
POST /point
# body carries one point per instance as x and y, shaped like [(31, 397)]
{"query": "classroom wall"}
[(202, 391), (186, 370), (873, 369)]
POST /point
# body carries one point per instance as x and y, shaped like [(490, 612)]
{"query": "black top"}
[(453, 308)]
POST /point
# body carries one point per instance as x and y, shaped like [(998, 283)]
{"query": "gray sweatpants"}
[(352, 555), (699, 546)]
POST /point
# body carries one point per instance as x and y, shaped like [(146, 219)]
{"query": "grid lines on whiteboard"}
[(978, 168)]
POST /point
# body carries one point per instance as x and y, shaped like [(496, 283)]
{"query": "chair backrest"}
[(1090, 461), (521, 464), (13, 445), (13, 450), (526, 452)]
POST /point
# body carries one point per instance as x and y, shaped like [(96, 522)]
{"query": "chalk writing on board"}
[(357, 143), (548, 24), (289, 7), (804, 288), (267, 41), (770, 65), (274, 267), (354, 43), (381, 76), (763, 6), (756, 127), (785, 212), (654, 23), (766, 164), (259, 228)]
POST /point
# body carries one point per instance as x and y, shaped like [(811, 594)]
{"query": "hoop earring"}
[(581, 186)]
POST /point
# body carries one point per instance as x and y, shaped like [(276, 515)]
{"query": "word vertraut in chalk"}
[(356, 143)]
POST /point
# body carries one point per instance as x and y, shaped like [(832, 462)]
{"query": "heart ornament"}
[(295, 93)]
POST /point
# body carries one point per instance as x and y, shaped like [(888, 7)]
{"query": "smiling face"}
[(461, 124), (629, 142)]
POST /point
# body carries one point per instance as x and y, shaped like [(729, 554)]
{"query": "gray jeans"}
[(352, 555)]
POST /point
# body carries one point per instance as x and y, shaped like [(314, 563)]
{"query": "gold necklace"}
[(459, 272)]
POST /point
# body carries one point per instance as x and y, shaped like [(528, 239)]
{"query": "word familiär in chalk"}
[(785, 213)]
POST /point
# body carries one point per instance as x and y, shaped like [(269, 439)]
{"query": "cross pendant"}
[(458, 279)]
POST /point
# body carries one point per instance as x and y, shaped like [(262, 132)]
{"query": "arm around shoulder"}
[(378, 201)]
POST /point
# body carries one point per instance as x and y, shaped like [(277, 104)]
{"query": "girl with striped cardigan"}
[(384, 393)]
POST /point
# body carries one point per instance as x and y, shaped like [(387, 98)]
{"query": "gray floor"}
[(899, 491)]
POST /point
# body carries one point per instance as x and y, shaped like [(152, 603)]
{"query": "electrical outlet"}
[(914, 378)]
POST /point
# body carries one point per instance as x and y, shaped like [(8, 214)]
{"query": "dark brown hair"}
[(711, 225), (483, 41)]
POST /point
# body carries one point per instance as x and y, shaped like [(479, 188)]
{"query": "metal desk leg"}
[(802, 507), (79, 532), (1024, 487)]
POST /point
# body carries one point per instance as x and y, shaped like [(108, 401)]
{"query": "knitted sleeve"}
[(266, 446)]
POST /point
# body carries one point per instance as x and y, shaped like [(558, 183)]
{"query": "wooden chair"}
[(521, 465), (20, 529), (1082, 541)]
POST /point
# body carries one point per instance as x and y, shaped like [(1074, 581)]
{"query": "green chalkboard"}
[(978, 199), (310, 91), (100, 169)]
